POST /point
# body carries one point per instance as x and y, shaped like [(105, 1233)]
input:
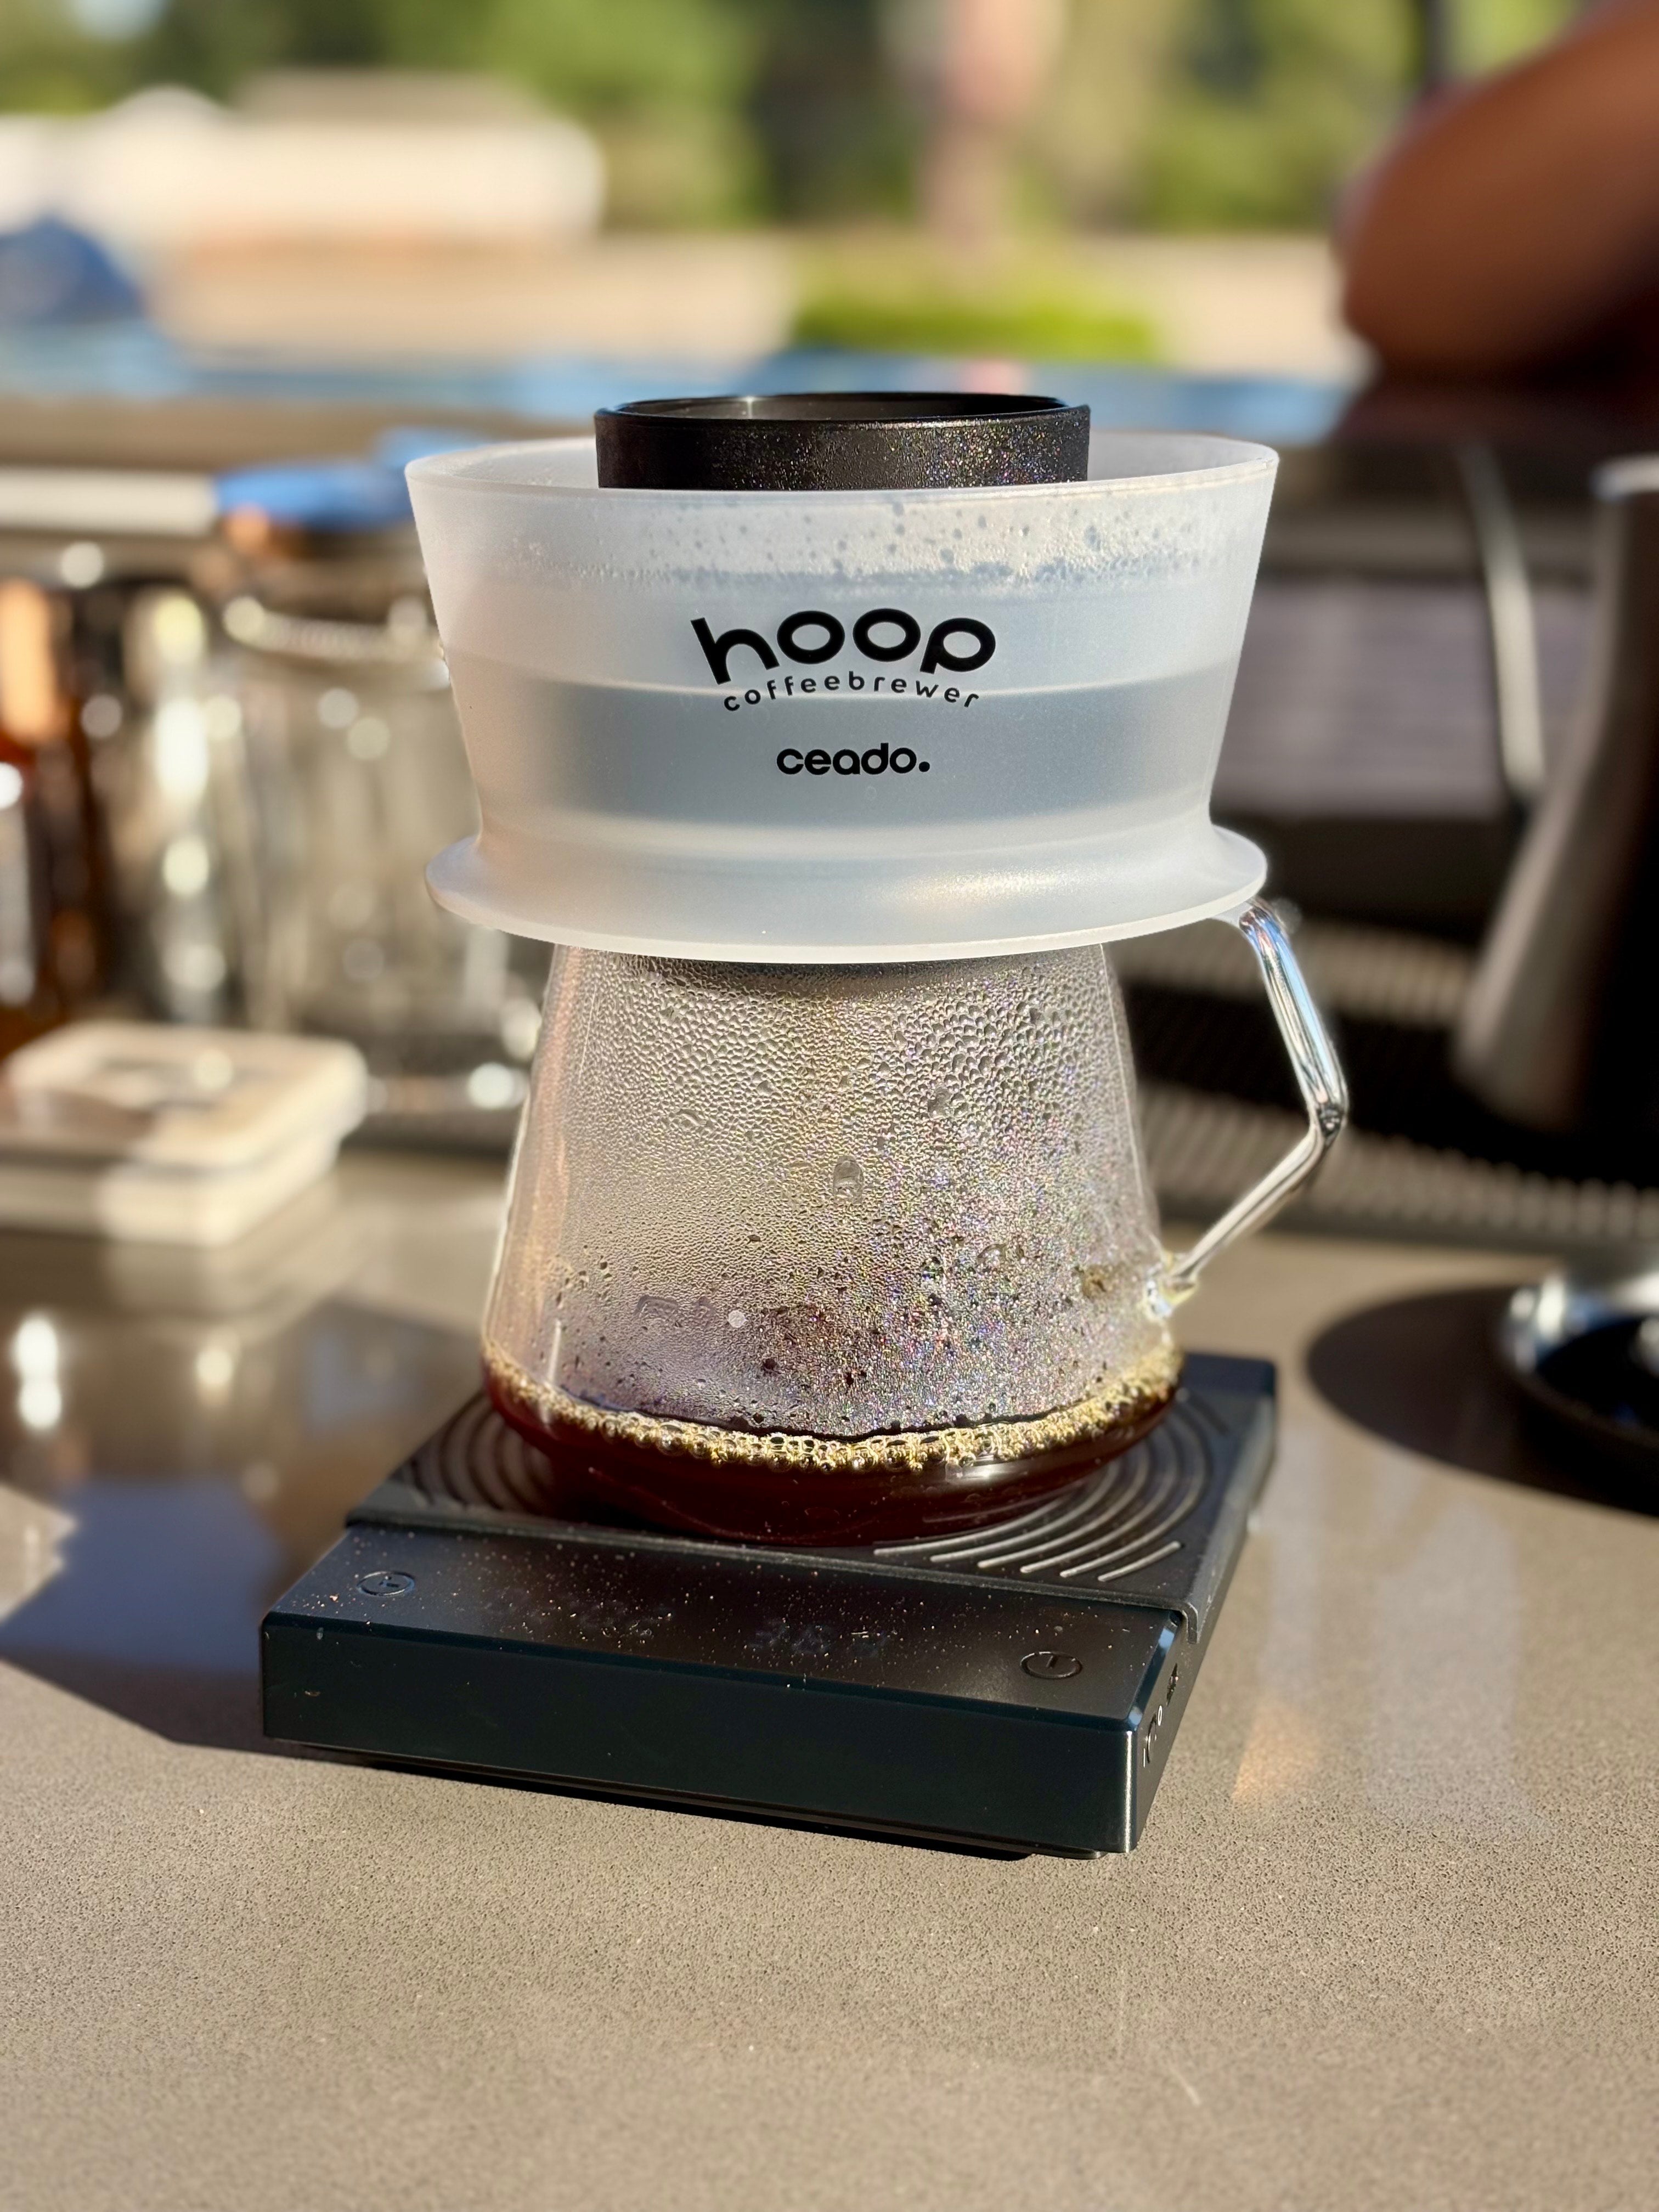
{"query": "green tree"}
[(48, 66), (1090, 148), (1273, 103), (1486, 34), (1194, 113), (837, 134), (663, 82)]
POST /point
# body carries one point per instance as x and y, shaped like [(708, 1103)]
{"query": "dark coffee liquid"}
[(775, 1504)]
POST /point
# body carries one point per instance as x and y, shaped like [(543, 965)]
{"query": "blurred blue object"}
[(133, 361), (397, 447), (53, 274), (333, 497)]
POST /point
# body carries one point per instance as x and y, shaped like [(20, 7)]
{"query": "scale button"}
[(1051, 1666), (385, 1581)]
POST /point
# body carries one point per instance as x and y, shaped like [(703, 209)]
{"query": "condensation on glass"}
[(830, 1228)]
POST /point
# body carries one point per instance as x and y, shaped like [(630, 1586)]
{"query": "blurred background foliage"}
[(898, 294), (1270, 104), (1174, 114)]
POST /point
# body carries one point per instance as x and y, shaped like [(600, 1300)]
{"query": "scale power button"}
[(385, 1581), (1051, 1666)]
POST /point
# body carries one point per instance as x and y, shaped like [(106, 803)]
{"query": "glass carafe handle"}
[(1318, 1078)]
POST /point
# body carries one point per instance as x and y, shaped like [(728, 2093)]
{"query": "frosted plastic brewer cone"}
[(843, 725)]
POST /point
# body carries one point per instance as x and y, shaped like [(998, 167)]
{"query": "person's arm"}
[(1517, 219)]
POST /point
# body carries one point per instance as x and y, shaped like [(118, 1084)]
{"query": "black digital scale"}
[(1015, 1686)]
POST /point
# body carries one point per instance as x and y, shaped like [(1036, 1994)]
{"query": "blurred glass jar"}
[(354, 773), (103, 636), (173, 780)]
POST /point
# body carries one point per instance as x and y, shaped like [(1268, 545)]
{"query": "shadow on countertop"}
[(1424, 1373)]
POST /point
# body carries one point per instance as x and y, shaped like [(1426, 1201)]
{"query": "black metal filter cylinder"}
[(842, 441)]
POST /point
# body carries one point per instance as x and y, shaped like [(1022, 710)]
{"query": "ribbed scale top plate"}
[(1151, 1527), (1110, 1525)]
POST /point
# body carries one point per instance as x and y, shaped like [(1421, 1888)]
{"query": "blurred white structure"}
[(353, 160)]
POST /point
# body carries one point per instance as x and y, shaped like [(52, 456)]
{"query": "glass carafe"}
[(832, 1252)]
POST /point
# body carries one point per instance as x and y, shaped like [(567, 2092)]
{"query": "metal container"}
[(1555, 1033)]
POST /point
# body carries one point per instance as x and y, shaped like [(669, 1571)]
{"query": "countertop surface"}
[(1390, 1938)]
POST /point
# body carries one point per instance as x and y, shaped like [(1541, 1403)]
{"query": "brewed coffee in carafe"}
[(829, 1219)]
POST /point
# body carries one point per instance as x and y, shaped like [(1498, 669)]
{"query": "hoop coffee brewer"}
[(831, 740)]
